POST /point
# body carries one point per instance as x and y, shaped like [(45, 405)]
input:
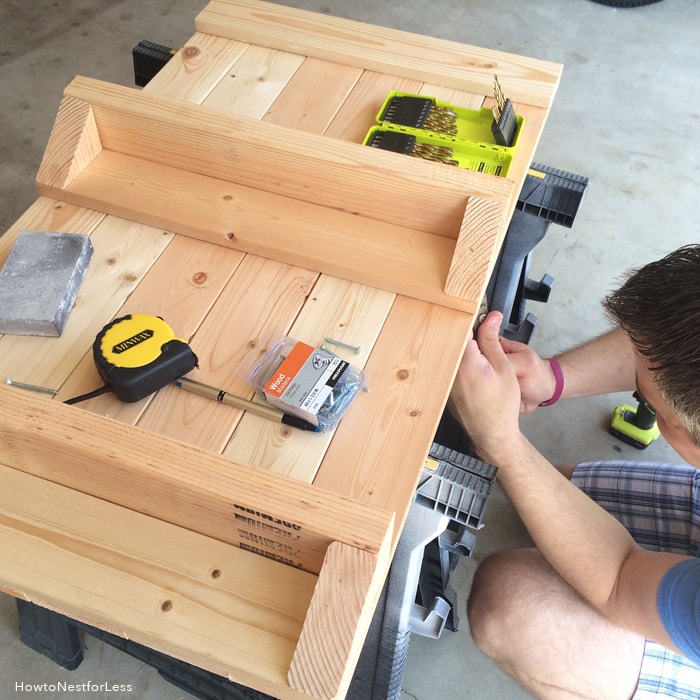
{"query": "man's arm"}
[(601, 366), (586, 545)]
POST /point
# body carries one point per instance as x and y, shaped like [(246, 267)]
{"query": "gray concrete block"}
[(40, 281)]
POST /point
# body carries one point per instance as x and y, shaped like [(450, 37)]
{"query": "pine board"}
[(339, 310), (381, 49), (259, 304), (254, 82)]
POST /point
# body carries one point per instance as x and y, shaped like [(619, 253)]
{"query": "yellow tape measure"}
[(138, 354)]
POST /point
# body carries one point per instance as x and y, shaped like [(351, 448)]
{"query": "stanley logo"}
[(137, 339)]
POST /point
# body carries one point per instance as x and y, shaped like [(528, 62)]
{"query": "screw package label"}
[(304, 380)]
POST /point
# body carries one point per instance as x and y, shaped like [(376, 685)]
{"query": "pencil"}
[(257, 408)]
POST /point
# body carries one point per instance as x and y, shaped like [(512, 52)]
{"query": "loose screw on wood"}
[(356, 349), (32, 387)]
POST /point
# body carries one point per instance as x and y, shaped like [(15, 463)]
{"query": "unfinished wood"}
[(330, 645), (527, 145), (197, 68), (259, 303), (123, 252), (477, 248), (337, 309), (381, 49), (153, 180), (181, 484), (313, 96), (411, 380), (455, 97), (253, 83), (237, 149), (383, 255), (73, 143), (196, 599)]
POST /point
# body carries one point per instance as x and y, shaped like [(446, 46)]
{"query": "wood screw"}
[(32, 387), (356, 349)]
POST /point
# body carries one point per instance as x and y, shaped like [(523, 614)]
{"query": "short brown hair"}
[(658, 305)]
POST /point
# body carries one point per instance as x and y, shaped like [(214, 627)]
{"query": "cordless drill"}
[(635, 426)]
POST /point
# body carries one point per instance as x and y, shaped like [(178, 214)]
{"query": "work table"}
[(233, 198)]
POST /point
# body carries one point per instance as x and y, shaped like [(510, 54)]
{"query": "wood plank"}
[(410, 383), (455, 97), (331, 641), (181, 287), (254, 82), (215, 606), (379, 254), (477, 248), (237, 149), (337, 309), (359, 111), (197, 68), (313, 96), (183, 485), (74, 142), (380, 49)]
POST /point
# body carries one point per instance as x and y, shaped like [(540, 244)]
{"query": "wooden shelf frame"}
[(302, 199), (344, 542)]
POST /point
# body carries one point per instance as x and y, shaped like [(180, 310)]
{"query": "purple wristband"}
[(558, 383)]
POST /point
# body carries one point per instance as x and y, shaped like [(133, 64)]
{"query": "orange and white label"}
[(290, 367)]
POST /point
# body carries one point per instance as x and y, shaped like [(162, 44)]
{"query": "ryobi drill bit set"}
[(425, 127)]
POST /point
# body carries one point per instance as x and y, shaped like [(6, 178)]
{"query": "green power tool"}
[(635, 426)]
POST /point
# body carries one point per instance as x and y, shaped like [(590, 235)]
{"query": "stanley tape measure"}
[(136, 355)]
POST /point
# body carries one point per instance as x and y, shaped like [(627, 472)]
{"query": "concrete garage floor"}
[(626, 116)]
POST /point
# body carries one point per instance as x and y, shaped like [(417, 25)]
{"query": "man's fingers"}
[(489, 339), (511, 346)]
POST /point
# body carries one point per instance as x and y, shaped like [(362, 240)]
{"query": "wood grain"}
[(381, 49), (208, 603), (197, 68), (329, 645), (73, 143), (182, 484), (237, 149), (337, 309), (410, 383), (253, 83)]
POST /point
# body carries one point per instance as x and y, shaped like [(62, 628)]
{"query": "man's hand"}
[(485, 396), (535, 375)]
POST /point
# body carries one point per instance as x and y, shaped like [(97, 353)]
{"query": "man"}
[(592, 613)]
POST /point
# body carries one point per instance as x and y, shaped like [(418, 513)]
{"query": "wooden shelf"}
[(426, 231)]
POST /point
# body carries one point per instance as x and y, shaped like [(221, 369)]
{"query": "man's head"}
[(659, 308)]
